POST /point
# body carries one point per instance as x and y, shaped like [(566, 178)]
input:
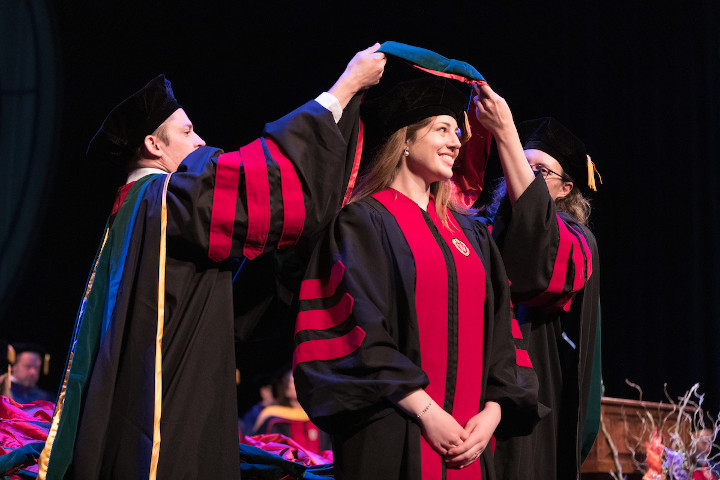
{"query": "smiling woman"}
[(420, 150), (428, 157), (432, 153), (410, 364)]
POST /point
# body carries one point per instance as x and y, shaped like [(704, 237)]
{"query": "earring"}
[(406, 152)]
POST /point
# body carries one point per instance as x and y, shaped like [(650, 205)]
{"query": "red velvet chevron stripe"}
[(522, 358), (324, 319), (588, 256), (329, 349), (324, 287), (258, 198), (222, 218), (292, 197), (571, 251), (557, 280)]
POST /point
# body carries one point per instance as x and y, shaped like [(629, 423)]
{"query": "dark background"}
[(637, 80)]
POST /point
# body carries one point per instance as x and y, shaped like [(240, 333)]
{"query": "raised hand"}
[(364, 70), (492, 111)]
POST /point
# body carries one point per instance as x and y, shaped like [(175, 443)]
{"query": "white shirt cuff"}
[(331, 103)]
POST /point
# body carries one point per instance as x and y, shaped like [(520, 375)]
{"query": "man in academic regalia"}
[(29, 360), (149, 388)]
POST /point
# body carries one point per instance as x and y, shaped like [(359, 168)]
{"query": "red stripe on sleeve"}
[(522, 358), (516, 333), (588, 255), (324, 319), (578, 260), (258, 198), (292, 197), (582, 263), (329, 349), (222, 218), (557, 280), (323, 287), (356, 164)]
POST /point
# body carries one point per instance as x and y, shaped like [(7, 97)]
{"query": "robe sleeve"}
[(268, 194), (347, 361), (547, 255)]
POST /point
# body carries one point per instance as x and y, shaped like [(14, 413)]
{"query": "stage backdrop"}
[(638, 81)]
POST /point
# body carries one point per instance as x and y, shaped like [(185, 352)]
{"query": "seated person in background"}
[(288, 418), (29, 359), (246, 423)]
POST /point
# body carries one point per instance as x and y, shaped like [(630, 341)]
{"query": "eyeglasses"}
[(544, 171)]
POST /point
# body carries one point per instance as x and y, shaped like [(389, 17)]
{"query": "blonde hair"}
[(386, 164), (575, 204)]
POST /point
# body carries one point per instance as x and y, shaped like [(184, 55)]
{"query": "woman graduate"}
[(404, 351)]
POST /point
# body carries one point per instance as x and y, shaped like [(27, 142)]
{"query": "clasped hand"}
[(460, 446)]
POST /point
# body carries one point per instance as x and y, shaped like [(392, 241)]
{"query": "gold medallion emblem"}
[(462, 248)]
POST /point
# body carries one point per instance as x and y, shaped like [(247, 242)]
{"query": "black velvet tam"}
[(550, 136), (28, 347), (126, 126), (412, 101)]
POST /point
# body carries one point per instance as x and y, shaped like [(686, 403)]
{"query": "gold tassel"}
[(592, 170), (46, 364), (467, 131), (11, 355), (237, 376)]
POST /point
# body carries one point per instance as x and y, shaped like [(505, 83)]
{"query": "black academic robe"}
[(552, 262), (393, 302), (269, 194)]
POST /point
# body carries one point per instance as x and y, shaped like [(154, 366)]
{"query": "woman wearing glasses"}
[(551, 260)]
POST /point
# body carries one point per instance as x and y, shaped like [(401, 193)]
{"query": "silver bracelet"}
[(425, 409)]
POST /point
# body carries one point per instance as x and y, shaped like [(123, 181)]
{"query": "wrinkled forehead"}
[(538, 157)]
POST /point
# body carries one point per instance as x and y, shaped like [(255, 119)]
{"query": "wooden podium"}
[(623, 420)]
